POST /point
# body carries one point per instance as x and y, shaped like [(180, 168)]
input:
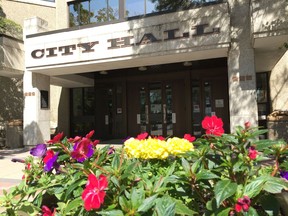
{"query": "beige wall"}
[(270, 16), (18, 11), (59, 110), (279, 84)]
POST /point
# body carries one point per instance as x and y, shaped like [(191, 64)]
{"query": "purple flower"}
[(284, 174), (82, 150), (39, 150), (111, 150), (51, 163)]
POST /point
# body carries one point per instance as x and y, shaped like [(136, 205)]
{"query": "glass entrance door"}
[(156, 116)]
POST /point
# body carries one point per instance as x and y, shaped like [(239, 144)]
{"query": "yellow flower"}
[(151, 148)]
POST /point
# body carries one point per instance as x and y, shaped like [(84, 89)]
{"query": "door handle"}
[(147, 114), (164, 114)]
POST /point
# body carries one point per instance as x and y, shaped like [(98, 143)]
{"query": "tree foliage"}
[(9, 27), (163, 5)]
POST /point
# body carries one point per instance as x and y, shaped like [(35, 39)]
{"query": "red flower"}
[(49, 154), (96, 142), (142, 136), (189, 137), (75, 139), (252, 153), (94, 193), (47, 212), (243, 204), (56, 138), (159, 138), (247, 125), (90, 134), (213, 125), (27, 167)]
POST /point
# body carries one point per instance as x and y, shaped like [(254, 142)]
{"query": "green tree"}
[(80, 16), (163, 5), (9, 27), (106, 15)]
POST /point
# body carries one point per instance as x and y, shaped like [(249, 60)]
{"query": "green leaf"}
[(206, 174), (275, 185), (111, 213), (251, 212), (147, 204), (224, 212), (116, 162), (262, 144), (73, 186), (73, 204), (254, 188), (186, 165), (137, 197), (196, 165), (115, 181), (165, 207), (125, 205), (224, 189), (182, 209)]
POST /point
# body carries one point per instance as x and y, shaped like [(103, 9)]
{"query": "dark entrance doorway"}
[(209, 97), (166, 100), (154, 107)]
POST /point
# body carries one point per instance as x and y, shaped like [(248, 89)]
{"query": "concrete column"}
[(36, 119), (241, 68)]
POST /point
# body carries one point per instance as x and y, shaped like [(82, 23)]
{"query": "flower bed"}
[(217, 174)]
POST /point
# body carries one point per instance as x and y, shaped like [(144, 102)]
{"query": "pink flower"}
[(213, 125), (247, 125), (159, 138), (243, 204), (142, 136), (47, 212), (252, 153), (56, 138), (94, 193), (189, 137), (82, 150)]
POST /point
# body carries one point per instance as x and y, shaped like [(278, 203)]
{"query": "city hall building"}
[(123, 67)]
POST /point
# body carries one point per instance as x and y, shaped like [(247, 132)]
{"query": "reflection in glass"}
[(155, 95), (196, 108), (207, 99), (143, 110), (82, 119), (168, 117), (262, 88)]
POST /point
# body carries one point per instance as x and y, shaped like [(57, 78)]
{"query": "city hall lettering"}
[(116, 43)]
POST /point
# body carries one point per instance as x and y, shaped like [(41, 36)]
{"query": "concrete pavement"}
[(10, 172)]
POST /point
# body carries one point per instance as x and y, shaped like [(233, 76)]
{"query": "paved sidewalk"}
[(10, 172)]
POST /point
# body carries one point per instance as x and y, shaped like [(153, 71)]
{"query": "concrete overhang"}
[(221, 50), (72, 81), (11, 57), (269, 48)]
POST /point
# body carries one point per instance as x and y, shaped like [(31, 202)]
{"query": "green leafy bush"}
[(10, 28), (217, 174)]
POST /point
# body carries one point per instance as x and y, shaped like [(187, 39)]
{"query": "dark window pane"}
[(73, 15), (85, 14)]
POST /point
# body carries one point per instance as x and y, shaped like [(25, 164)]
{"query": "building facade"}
[(126, 67)]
